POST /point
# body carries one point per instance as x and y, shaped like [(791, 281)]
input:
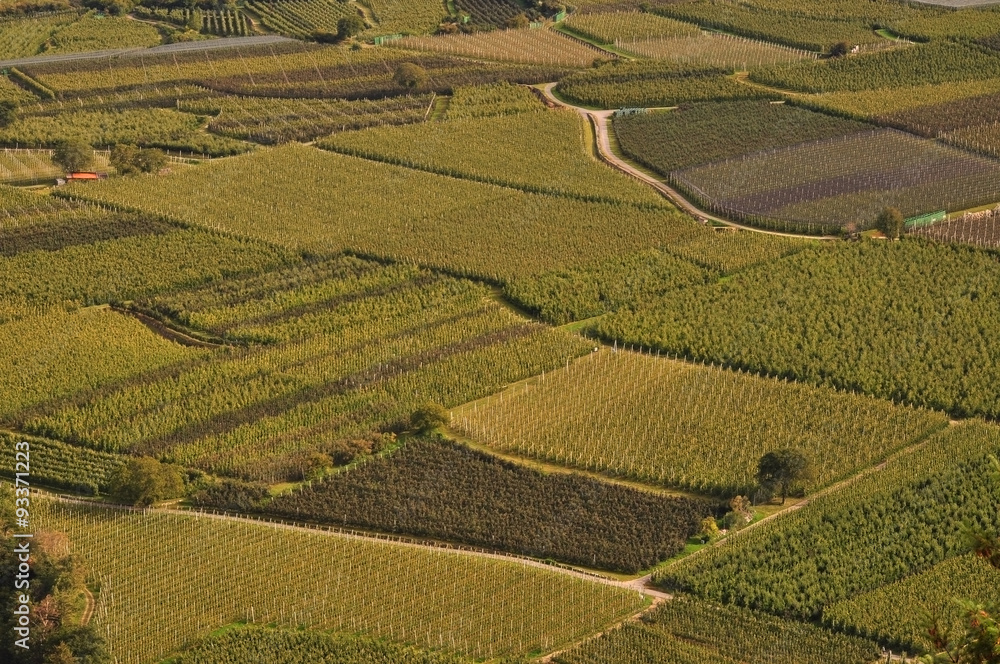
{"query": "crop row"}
[(491, 13), (704, 428), (478, 101), (97, 33), (612, 27), (463, 226), (688, 631), (270, 120), (936, 349), (502, 151), (651, 84), (436, 599), (981, 229), (472, 497), (545, 47), (55, 464), (351, 362), (718, 50), (881, 528), (703, 133), (826, 185), (297, 18)]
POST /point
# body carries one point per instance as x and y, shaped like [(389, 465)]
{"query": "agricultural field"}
[(703, 133), (699, 257), (354, 352), (148, 127), (654, 84), (542, 47), (934, 63), (897, 612), (718, 50), (703, 428), (447, 491), (297, 18), (826, 185), (485, 331), (981, 229), (927, 494), (412, 17), (860, 342), (288, 646), (433, 599), (275, 120), (503, 151), (294, 184), (689, 631)]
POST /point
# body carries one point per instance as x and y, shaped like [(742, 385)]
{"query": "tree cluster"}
[(129, 159)]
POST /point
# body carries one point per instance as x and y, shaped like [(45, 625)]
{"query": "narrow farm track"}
[(88, 611), (599, 120)]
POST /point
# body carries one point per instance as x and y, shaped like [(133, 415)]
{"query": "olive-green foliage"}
[(780, 471), (428, 417), (283, 646), (93, 33), (890, 222), (653, 83), (900, 612), (702, 133), (688, 631), (939, 62), (563, 296), (477, 101), (879, 529), (131, 159), (464, 226), (73, 154), (144, 481), (411, 76), (909, 321), (505, 151)]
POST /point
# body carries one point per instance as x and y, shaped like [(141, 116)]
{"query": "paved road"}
[(180, 47), (599, 120)]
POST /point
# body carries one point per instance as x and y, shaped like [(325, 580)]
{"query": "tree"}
[(840, 49), (8, 111), (348, 26), (429, 417), (73, 155), (709, 529), (131, 159), (144, 481), (890, 222), (518, 22), (781, 469), (325, 37), (151, 160), (409, 75), (61, 654)]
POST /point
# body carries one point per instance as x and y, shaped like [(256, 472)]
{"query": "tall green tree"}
[(144, 481), (779, 471)]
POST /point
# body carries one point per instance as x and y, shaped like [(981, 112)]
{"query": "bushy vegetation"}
[(907, 321), (899, 521), (447, 491), (434, 599), (691, 426), (688, 631), (702, 133)]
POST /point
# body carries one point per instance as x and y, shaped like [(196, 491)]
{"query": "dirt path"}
[(88, 611), (161, 329), (599, 120)]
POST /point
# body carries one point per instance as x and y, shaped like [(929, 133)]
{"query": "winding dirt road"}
[(599, 121)]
